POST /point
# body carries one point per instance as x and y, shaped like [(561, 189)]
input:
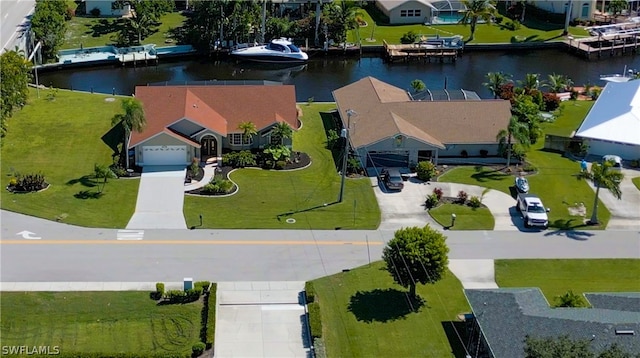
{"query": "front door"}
[(209, 147)]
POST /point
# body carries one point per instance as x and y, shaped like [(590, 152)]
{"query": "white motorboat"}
[(626, 76), (280, 50), (522, 184)]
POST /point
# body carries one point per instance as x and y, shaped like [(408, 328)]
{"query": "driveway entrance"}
[(160, 199), (625, 213)]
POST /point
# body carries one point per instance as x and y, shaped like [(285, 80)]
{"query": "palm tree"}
[(603, 177), (418, 85), (476, 10), (567, 18), (282, 131), (531, 82), (102, 172), (248, 131), (515, 130), (133, 119), (558, 83), (495, 81)]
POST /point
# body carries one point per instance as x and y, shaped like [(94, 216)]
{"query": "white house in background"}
[(106, 8), (580, 10), (612, 126)]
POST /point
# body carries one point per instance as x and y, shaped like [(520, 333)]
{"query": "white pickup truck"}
[(533, 212)]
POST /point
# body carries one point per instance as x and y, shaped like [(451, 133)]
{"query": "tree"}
[(133, 119), (569, 299), (515, 130), (603, 177), (558, 83), (418, 85), (281, 131), (530, 83), (617, 6), (495, 82), (340, 17), (248, 130), (49, 26), (476, 10), (103, 172), (561, 347), (416, 255), (527, 112), (15, 74), (144, 15)]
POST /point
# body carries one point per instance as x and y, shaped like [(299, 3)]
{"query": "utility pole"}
[(345, 135)]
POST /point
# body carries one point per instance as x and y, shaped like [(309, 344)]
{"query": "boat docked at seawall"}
[(280, 50)]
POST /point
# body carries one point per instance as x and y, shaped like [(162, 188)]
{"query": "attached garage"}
[(164, 155), (627, 151), (397, 159)]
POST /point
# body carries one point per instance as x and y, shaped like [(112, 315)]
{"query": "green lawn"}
[(93, 32), (485, 33), (109, 322), (570, 116), (556, 277), (365, 314), (467, 218), (267, 198), (60, 138), (636, 182)]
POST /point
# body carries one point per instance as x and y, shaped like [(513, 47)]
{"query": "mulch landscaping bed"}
[(220, 172)]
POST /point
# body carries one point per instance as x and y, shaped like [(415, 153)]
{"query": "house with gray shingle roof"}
[(503, 318), (392, 128)]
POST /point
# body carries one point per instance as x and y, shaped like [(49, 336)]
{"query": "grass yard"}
[(570, 116), (93, 32), (365, 314), (636, 182), (556, 277), (267, 198), (61, 138), (467, 218), (485, 33), (104, 322)]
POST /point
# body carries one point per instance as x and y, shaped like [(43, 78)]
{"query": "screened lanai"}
[(447, 11)]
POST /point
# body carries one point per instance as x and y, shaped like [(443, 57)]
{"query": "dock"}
[(436, 49), (607, 40)]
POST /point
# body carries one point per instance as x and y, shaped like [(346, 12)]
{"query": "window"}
[(416, 13), (403, 13), (585, 10), (410, 13), (237, 139)]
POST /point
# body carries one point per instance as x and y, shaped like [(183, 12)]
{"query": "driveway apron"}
[(261, 319), (160, 199), (625, 213)]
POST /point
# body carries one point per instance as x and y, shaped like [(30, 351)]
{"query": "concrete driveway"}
[(406, 207), (160, 199), (625, 213)]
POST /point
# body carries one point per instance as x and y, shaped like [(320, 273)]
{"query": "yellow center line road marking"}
[(183, 242)]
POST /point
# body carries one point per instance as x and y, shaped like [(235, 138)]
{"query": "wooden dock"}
[(420, 52), (599, 46)]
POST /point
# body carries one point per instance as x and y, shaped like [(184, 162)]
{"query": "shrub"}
[(95, 12), (29, 183), (195, 166), (438, 193), (462, 196), (475, 202), (218, 185), (13, 181), (160, 287), (315, 324), (174, 296), (409, 38), (569, 299), (240, 159), (551, 102), (425, 170), (464, 154), (118, 170), (529, 168), (574, 95), (192, 295), (197, 349), (498, 19), (432, 201), (211, 315), (280, 164), (202, 285), (595, 93), (484, 153), (332, 138), (310, 292), (69, 14)]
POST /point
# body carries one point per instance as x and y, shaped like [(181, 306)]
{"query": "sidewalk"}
[(85, 286), (209, 173)]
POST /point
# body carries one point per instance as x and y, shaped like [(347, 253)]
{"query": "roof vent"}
[(195, 105), (625, 332)]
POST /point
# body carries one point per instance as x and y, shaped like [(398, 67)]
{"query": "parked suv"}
[(392, 179), (615, 160), (533, 212)]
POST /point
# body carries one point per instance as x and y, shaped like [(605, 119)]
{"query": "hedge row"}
[(310, 292), (211, 316), (315, 324)]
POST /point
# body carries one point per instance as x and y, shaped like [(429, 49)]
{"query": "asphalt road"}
[(75, 254), (13, 14)]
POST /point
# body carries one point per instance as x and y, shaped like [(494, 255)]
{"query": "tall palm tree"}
[(133, 119), (603, 177), (558, 83), (495, 81), (531, 82), (515, 130), (418, 85), (282, 131), (248, 130), (476, 10)]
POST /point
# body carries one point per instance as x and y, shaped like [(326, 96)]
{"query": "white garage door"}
[(625, 151), (164, 154)]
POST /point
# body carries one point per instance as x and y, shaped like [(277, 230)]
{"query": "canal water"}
[(321, 75)]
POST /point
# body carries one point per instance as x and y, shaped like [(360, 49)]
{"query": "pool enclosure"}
[(447, 11)]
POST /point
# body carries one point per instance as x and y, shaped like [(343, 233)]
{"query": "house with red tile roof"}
[(389, 127), (186, 122)]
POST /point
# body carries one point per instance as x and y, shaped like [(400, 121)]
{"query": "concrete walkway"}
[(261, 319), (209, 173), (474, 274), (160, 199)]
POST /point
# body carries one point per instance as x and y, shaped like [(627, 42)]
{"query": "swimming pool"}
[(447, 18)]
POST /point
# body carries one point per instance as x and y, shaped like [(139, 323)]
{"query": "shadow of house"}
[(114, 139), (503, 318), (383, 305)]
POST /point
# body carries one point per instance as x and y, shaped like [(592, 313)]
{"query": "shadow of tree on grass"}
[(85, 180), (86, 194), (383, 305), (483, 175)]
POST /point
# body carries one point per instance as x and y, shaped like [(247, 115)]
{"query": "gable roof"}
[(507, 316), (383, 110), (616, 114), (219, 108), (392, 4)]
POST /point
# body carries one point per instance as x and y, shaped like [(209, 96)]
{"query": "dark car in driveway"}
[(392, 179)]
